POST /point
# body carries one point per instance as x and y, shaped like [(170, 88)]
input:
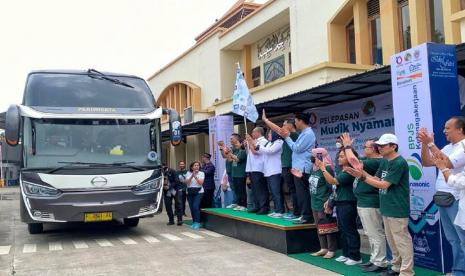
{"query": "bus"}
[(90, 148)]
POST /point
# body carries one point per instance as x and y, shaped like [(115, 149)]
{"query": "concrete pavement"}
[(152, 248)]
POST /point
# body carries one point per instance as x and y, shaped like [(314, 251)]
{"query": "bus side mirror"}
[(12, 125), (175, 126)]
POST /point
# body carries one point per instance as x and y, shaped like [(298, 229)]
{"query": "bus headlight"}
[(146, 187), (31, 189)]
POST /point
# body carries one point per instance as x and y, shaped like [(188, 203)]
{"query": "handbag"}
[(327, 225), (443, 199), (193, 190)]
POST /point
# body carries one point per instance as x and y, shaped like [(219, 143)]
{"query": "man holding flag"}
[(243, 105)]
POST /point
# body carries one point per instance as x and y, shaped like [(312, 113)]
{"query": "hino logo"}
[(99, 181)]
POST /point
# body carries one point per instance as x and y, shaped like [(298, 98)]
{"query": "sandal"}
[(322, 252), (329, 255)]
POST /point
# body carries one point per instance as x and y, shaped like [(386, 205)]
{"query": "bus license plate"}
[(102, 216)]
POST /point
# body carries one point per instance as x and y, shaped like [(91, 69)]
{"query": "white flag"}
[(242, 100)]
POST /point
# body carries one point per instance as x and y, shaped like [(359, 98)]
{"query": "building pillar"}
[(390, 39), (247, 61), (362, 36), (337, 43), (451, 28), (418, 22)]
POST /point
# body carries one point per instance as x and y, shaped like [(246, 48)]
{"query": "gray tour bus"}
[(91, 145)]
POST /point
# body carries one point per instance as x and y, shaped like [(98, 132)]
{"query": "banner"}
[(363, 119), (220, 129), (424, 82)]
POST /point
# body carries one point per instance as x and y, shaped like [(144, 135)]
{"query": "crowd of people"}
[(332, 194)]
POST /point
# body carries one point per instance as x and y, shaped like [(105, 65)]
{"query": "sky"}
[(124, 36)]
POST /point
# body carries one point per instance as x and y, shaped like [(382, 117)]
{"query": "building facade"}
[(287, 46)]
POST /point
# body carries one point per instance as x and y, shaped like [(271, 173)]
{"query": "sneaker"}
[(231, 206), (352, 262), (196, 226), (289, 216), (276, 215), (179, 223), (170, 223), (341, 259), (297, 219), (238, 208), (271, 214), (241, 208)]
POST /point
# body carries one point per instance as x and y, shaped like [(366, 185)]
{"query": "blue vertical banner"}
[(425, 94)]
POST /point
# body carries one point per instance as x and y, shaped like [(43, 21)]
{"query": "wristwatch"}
[(347, 147), (430, 144)]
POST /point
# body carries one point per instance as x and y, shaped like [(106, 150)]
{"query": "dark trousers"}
[(177, 198), (274, 184), (346, 212), (328, 241), (260, 191), (288, 179), (303, 196), (194, 205), (184, 201), (240, 191), (207, 200)]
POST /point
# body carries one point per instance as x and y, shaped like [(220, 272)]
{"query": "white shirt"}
[(255, 161), (457, 158), (194, 183), (272, 153), (457, 181)]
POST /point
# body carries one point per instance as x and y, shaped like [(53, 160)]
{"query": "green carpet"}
[(253, 217), (343, 269)]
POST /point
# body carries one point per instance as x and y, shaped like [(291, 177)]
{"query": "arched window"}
[(179, 96)]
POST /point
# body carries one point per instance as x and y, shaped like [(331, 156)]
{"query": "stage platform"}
[(272, 233)]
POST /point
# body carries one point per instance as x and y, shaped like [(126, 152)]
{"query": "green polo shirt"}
[(238, 168), (320, 190), (344, 190), (395, 200), (367, 195), (286, 155)]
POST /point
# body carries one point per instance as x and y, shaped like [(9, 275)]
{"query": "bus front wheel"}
[(35, 228)]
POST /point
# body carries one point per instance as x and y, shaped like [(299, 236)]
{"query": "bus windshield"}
[(87, 90), (48, 143)]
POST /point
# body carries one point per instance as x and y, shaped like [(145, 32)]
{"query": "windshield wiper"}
[(93, 74)]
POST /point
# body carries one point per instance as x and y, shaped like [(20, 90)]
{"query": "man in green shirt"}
[(368, 204), (392, 178), (286, 164)]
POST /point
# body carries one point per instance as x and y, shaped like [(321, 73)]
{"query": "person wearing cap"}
[(447, 196), (392, 180), (209, 183)]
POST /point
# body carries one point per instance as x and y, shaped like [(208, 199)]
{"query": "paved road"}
[(153, 248)]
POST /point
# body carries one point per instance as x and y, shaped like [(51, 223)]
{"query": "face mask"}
[(338, 145)]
